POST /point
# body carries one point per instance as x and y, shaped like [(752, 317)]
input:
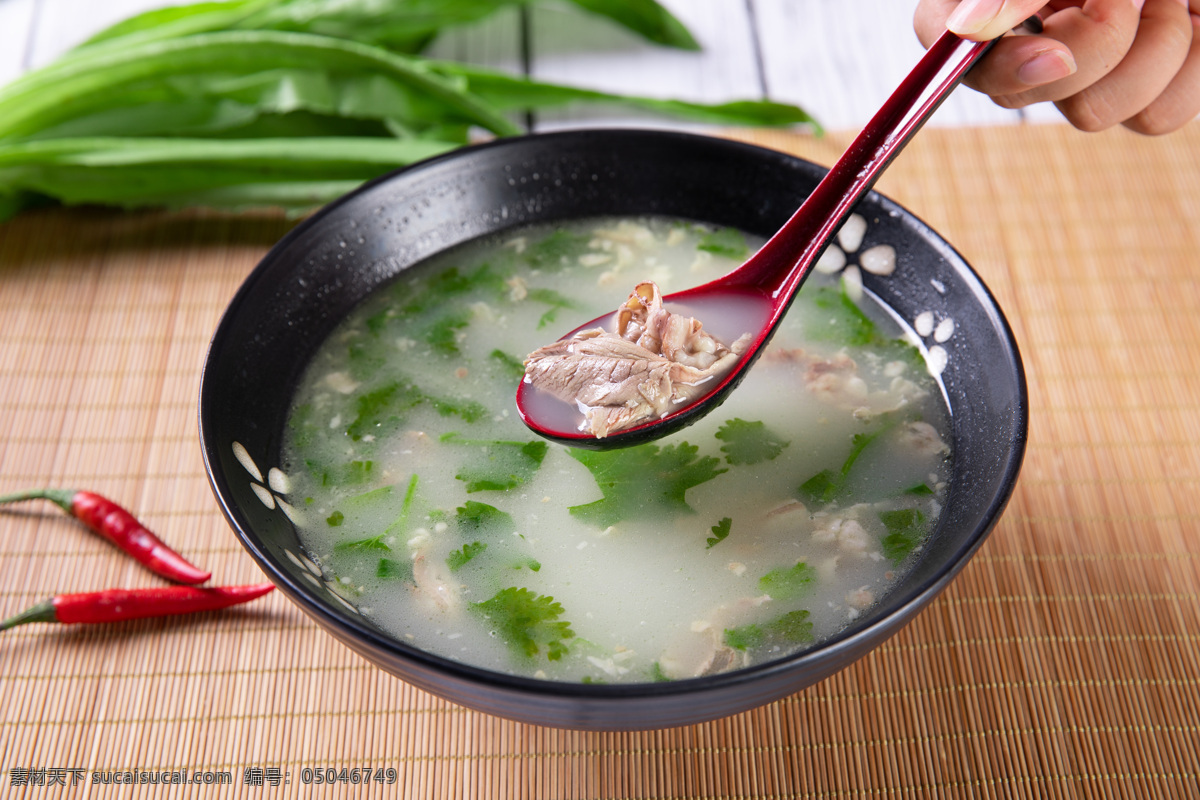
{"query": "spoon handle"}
[(802, 239)]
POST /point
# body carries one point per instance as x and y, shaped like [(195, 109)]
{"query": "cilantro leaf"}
[(787, 583), (400, 524), (459, 558), (335, 519), (379, 410), (434, 290), (391, 569), (642, 480), (725, 242), (512, 366), (829, 485), (719, 531), (790, 629), (469, 410), (749, 442), (555, 250), (527, 622), (350, 474), (844, 322), (476, 518), (501, 465), (556, 302), (373, 543), (906, 529), (442, 333)]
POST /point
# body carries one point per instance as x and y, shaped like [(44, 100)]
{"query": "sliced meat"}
[(653, 362)]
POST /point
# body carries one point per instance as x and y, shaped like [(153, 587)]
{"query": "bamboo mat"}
[(1063, 662)]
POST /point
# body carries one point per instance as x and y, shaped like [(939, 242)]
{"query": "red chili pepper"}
[(114, 523), (118, 605)]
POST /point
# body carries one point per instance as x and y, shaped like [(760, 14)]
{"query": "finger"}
[(930, 18), (986, 19), (1179, 103), (1164, 36), (1099, 34), (1017, 64)]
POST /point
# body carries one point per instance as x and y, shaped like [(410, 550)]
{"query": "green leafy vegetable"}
[(459, 558), (381, 410), (289, 103), (433, 292), (400, 524), (788, 583), (335, 519), (749, 442), (528, 622), (512, 366), (642, 480), (353, 473), (372, 543), (442, 335), (790, 629), (906, 530), (475, 518), (556, 302), (845, 323), (725, 242), (553, 251), (498, 465), (383, 407), (391, 569), (719, 532), (830, 485)]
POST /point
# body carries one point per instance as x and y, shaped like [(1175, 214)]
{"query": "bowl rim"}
[(902, 603)]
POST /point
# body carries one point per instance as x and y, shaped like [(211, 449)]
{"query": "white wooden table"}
[(838, 59)]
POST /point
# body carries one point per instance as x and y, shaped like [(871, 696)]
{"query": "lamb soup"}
[(762, 529)]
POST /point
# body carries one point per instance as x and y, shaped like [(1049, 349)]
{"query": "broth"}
[(762, 529)]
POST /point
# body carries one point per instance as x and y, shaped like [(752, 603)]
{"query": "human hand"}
[(1102, 62)]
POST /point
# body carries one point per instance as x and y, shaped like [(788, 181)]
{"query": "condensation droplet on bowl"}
[(923, 324), (278, 480), (879, 260), (243, 457), (944, 330), (852, 283), (264, 494), (937, 359), (832, 260), (851, 234)]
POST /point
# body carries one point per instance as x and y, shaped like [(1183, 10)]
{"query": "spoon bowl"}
[(766, 284)]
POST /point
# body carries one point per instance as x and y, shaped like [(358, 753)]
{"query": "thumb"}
[(987, 19)]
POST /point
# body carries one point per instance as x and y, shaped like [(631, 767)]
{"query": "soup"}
[(762, 529)]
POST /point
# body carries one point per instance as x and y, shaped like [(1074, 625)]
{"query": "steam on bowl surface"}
[(329, 265)]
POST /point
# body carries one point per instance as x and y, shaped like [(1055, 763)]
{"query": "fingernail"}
[(1047, 67), (972, 16)]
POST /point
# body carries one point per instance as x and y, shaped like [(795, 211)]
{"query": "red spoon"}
[(764, 286)]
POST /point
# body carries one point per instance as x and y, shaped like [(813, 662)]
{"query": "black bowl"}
[(312, 279)]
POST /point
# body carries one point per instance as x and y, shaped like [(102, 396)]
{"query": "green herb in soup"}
[(762, 529)]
